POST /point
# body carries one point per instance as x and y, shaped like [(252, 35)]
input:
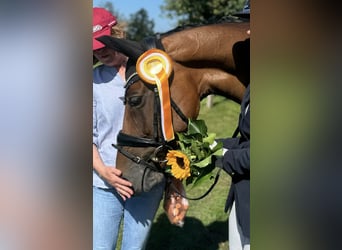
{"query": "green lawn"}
[(206, 223)]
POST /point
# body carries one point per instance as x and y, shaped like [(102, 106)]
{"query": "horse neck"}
[(194, 84), (184, 91), (206, 43)]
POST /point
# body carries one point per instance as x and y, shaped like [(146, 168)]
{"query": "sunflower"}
[(180, 164)]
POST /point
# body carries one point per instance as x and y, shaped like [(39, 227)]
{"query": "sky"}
[(128, 7)]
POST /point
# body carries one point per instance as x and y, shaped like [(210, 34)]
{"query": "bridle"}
[(157, 158), (158, 141)]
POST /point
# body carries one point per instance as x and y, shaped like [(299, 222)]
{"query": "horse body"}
[(211, 59)]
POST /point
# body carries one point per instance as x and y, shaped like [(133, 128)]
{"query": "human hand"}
[(112, 176)]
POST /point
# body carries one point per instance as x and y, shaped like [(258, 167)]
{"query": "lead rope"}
[(203, 195)]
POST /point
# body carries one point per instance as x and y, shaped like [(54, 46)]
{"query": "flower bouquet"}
[(191, 164)]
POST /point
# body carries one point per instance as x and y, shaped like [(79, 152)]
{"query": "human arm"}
[(106, 172), (236, 159), (112, 176)]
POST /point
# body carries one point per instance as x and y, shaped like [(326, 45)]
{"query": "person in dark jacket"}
[(236, 163), (236, 155)]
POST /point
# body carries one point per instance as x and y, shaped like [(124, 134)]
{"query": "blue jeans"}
[(137, 214)]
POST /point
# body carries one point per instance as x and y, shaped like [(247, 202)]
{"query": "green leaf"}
[(218, 152), (203, 163), (196, 149), (206, 175), (197, 127), (180, 136), (210, 138)]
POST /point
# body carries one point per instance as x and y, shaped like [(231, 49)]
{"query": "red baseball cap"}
[(103, 21)]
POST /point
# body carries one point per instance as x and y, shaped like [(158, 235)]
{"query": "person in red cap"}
[(103, 21), (113, 199)]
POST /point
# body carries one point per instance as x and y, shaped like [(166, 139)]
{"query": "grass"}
[(206, 222)]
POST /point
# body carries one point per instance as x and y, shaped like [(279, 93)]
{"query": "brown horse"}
[(209, 59)]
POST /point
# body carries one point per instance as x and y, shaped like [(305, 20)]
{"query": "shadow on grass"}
[(193, 236)]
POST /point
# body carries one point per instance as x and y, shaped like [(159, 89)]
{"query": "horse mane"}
[(210, 21)]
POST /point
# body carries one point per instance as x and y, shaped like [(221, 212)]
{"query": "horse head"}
[(202, 63)]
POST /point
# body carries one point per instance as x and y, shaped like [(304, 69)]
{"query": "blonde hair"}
[(119, 30)]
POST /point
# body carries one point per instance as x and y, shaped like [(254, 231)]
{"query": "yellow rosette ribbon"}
[(154, 67)]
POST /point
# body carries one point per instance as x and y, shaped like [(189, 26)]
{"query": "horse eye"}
[(134, 101)]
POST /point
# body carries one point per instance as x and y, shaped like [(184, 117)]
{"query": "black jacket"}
[(236, 164)]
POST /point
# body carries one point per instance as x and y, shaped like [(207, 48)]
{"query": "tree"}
[(139, 26), (109, 6), (200, 11)]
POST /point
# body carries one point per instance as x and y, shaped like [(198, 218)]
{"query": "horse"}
[(206, 59)]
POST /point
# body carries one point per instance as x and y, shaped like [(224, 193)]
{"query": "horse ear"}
[(132, 49)]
